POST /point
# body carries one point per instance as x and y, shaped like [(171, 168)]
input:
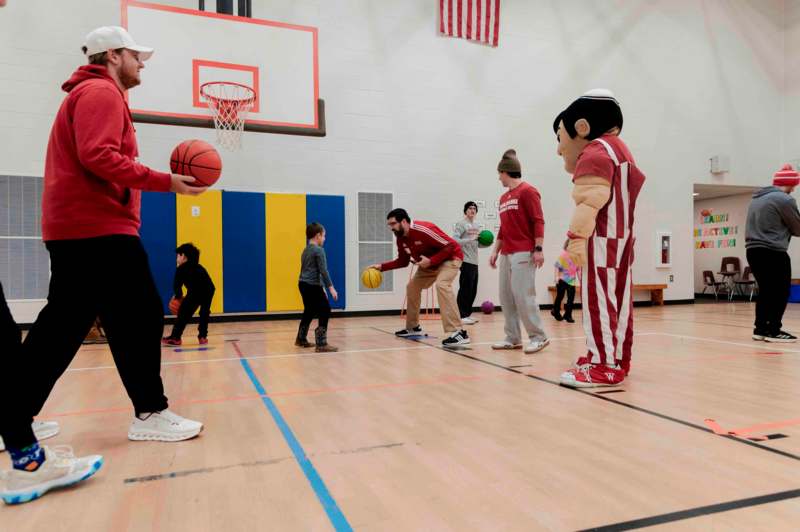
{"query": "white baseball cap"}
[(107, 38)]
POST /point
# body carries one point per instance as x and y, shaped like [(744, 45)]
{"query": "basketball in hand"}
[(198, 159)]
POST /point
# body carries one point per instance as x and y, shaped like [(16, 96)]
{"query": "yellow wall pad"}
[(199, 220), (286, 238)]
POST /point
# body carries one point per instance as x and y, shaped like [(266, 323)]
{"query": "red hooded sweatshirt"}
[(92, 182)]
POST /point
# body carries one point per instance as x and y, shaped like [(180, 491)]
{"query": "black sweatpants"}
[(106, 277), (562, 287), (315, 305), (773, 272), (189, 306), (467, 288)]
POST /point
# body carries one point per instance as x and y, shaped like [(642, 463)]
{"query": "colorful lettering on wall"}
[(717, 231), (707, 217), (715, 218), (710, 244)]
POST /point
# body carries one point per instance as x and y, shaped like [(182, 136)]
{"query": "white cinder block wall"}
[(428, 117)]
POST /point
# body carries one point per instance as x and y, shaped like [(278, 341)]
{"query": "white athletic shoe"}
[(469, 320), (163, 426), (505, 344), (41, 429), (536, 345), (60, 469)]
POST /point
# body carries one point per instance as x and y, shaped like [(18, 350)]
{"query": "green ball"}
[(485, 238)]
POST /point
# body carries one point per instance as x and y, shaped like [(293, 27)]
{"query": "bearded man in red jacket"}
[(438, 259), (90, 226)]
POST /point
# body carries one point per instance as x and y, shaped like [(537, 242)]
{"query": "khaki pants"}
[(443, 276), (518, 297)]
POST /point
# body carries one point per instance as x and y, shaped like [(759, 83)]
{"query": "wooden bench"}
[(656, 291)]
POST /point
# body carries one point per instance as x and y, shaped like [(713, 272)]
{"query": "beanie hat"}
[(786, 177), (509, 162)]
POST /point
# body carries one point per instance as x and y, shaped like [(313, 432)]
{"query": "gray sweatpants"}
[(518, 297)]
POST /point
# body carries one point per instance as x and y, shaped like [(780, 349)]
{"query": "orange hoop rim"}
[(250, 98)]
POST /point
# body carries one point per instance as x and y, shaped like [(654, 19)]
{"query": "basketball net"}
[(427, 302), (229, 103)]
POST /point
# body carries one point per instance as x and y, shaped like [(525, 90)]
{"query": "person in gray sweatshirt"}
[(314, 277), (772, 220), (466, 234)]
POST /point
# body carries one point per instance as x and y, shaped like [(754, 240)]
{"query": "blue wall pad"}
[(244, 252), (158, 236), (329, 211)]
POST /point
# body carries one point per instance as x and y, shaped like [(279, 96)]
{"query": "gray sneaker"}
[(536, 345), (506, 345), (60, 469)]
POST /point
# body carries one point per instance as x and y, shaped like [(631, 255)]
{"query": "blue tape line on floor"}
[(337, 518)]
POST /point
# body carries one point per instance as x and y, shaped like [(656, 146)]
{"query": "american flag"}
[(476, 20)]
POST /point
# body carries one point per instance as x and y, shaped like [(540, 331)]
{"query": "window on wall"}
[(24, 262), (375, 239)]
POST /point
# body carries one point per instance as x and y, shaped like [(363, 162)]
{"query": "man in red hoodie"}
[(90, 226), (438, 258)]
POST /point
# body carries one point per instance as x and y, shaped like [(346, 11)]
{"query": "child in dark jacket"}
[(199, 294)]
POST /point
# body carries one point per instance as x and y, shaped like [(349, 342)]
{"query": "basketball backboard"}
[(278, 60)]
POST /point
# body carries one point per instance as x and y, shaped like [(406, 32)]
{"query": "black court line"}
[(697, 512), (610, 400), (204, 470), (188, 472), (694, 322), (522, 366), (609, 391)]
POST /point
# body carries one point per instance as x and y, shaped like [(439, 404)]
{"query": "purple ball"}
[(487, 307)]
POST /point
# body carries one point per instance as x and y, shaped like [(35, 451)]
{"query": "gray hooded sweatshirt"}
[(772, 219)]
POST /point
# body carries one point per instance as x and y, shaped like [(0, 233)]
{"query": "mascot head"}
[(594, 114)]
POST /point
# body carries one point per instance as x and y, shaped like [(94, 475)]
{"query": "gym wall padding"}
[(285, 216), (250, 243), (244, 252), (199, 220), (329, 211), (158, 237)]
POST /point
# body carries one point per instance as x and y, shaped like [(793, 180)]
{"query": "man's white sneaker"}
[(505, 344), (60, 469), (468, 321), (41, 429), (536, 345), (163, 426)]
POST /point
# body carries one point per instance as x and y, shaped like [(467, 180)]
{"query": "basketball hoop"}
[(229, 103)]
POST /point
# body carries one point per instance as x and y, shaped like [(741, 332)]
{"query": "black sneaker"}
[(758, 335), (409, 332), (457, 338), (556, 314), (568, 319), (781, 337)]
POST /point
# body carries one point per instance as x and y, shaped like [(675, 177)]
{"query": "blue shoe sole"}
[(33, 495)]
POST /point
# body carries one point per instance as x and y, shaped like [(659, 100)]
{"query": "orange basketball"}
[(174, 305), (198, 159)]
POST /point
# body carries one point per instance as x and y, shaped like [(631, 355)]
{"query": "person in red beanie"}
[(90, 226), (772, 220)]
